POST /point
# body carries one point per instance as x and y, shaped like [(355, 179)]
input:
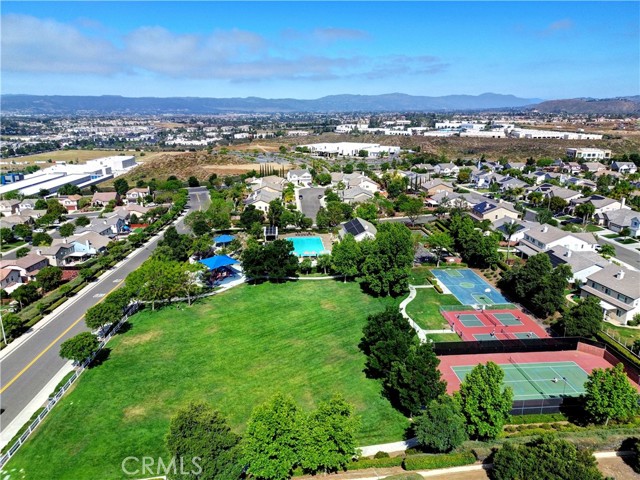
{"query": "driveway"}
[(311, 199)]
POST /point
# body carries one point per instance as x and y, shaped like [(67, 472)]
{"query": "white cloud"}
[(34, 45)]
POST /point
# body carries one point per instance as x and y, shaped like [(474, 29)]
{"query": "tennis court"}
[(468, 287), (470, 320), (538, 380), (508, 319)]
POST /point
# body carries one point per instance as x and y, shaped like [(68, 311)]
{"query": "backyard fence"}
[(53, 401), (476, 307), (621, 341)]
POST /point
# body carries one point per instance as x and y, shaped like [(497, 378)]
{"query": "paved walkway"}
[(422, 334)]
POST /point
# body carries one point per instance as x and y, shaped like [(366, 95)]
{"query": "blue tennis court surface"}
[(468, 287)]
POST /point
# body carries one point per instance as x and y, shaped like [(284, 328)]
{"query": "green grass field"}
[(235, 351), (425, 308), (420, 276), (444, 337)]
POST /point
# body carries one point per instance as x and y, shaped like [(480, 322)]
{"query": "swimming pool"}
[(307, 246)]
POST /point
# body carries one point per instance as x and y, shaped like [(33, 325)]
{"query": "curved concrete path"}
[(422, 334)]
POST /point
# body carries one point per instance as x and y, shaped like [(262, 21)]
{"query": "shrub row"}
[(536, 418), (618, 348), (375, 463), (427, 462)]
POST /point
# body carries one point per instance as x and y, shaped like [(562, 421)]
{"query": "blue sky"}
[(311, 49)]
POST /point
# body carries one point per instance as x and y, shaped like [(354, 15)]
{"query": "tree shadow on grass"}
[(101, 357)]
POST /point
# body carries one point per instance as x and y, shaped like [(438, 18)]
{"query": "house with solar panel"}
[(359, 228)]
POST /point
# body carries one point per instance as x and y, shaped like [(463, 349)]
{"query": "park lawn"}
[(234, 351), (444, 337), (420, 276), (425, 308), (12, 245), (593, 228)]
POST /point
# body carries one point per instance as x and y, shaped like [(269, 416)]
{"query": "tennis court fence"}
[(513, 346), (475, 308), (545, 405)]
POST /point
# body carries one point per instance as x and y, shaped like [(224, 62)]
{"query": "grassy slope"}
[(75, 155), (234, 351), (424, 309)]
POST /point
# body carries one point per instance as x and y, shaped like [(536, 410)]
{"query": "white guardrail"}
[(53, 401)]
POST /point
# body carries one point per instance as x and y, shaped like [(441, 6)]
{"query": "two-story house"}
[(101, 199), (300, 177), (9, 207), (69, 202), (545, 237), (618, 290), (10, 279), (28, 265), (137, 195)]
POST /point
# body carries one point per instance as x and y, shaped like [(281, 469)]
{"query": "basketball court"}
[(468, 287)]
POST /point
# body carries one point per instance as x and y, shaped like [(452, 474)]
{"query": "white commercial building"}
[(589, 153)]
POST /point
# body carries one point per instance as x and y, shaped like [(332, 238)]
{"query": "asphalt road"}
[(26, 370), (310, 201), (628, 255)]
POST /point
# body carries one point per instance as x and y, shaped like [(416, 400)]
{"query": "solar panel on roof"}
[(354, 227)]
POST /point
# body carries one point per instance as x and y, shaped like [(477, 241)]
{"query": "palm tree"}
[(510, 229)]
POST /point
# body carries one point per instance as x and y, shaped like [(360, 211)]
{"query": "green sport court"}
[(481, 337), (475, 319), (507, 319), (531, 381)]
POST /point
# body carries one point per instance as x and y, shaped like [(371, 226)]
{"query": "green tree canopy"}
[(485, 401), (80, 347), (441, 427), (121, 186), (610, 396), (544, 458), (584, 319), (386, 268), (200, 435), (272, 439), (346, 257), (67, 230), (101, 314), (328, 440), (49, 278), (414, 379), (440, 241)]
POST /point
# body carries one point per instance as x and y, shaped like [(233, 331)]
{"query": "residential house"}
[(618, 290), (29, 265), (13, 220), (594, 167), (10, 279), (353, 195), (515, 166), (494, 211), (69, 202), (56, 254), (589, 153), (85, 244), (300, 177), (522, 227), (581, 182), (359, 228), (538, 177), (511, 183), (635, 226), (564, 193), (9, 207), (358, 179), (101, 199), (572, 167), (261, 198), (137, 195), (270, 183), (546, 237), (27, 204), (617, 220), (436, 186), (582, 264), (483, 179), (624, 167), (447, 169), (602, 204)]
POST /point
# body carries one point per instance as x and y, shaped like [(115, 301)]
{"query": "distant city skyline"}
[(307, 50)]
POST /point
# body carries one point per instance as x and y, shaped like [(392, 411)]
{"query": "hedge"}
[(375, 463), (55, 305), (618, 348), (428, 462)]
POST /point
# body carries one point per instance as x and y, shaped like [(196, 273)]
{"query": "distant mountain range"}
[(392, 102)]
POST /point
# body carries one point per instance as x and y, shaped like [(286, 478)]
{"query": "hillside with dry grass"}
[(197, 164)]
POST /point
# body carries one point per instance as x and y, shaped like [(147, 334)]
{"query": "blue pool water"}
[(307, 246)]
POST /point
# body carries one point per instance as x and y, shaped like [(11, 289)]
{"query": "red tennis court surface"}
[(586, 357), (472, 325)]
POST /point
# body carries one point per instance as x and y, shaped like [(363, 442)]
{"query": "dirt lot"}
[(616, 468)]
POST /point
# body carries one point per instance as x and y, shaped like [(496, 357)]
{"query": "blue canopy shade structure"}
[(218, 261), (224, 239)]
